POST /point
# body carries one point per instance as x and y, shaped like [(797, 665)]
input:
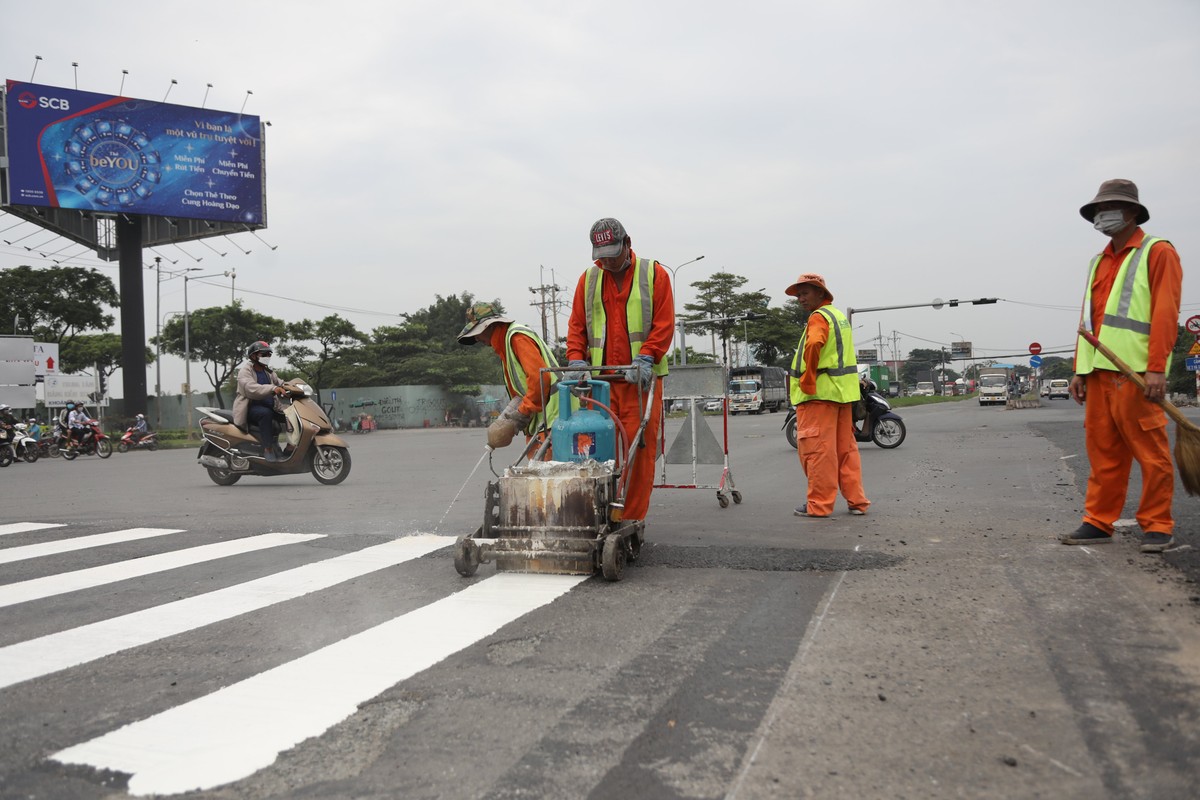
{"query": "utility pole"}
[(548, 301)]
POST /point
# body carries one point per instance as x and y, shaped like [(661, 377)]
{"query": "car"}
[(714, 404), (1045, 390), (1059, 387)]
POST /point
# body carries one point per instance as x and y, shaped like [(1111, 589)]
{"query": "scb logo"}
[(29, 100)]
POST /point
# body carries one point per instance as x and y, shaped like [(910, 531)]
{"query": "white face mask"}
[(264, 360), (1109, 222)]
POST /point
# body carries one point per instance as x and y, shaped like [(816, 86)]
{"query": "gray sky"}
[(907, 151)]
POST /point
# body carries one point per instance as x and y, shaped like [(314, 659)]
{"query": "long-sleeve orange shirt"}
[(614, 293), (1166, 291), (530, 358), (815, 337)]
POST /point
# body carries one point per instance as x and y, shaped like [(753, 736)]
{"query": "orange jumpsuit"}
[(530, 357), (614, 293), (825, 435), (1119, 422)]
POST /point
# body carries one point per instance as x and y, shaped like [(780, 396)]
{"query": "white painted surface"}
[(81, 543), (241, 729), (25, 527)]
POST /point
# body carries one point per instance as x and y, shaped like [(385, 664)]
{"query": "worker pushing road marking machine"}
[(566, 516)]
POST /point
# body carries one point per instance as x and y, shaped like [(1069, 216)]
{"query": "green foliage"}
[(85, 351), (311, 348), (773, 340), (718, 298), (1179, 379), (54, 304)]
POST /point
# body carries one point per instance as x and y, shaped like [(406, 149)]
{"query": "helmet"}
[(258, 347), (5, 407), (141, 416)]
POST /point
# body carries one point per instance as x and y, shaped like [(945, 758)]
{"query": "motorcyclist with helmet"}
[(255, 403), (8, 422), (79, 423), (140, 428)]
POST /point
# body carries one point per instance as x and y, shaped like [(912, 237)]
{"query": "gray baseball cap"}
[(608, 237)]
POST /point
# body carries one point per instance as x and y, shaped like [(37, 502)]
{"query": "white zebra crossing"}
[(60, 546), (26, 527)]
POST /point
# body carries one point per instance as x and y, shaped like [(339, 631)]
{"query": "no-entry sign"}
[(1035, 348)]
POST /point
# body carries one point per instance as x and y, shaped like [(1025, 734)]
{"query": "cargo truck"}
[(757, 389), (993, 384)]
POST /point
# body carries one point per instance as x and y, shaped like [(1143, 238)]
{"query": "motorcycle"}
[(229, 452), (93, 442), (17, 445), (881, 425), (149, 441)]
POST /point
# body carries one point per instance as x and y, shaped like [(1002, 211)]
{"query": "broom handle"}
[(1173, 412)]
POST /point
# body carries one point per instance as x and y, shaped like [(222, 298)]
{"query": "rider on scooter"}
[(257, 388), (140, 429)]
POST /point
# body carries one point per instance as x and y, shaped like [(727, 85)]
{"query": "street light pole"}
[(674, 294), (187, 338)]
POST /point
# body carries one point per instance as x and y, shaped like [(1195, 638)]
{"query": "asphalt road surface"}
[(279, 638)]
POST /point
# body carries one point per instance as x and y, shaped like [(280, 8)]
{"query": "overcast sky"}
[(907, 151)]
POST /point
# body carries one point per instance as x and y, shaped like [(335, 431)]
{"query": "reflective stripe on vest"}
[(518, 381), (837, 367), (639, 312), (1125, 328)]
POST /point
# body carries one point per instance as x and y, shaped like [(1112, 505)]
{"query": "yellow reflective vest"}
[(519, 381), (1125, 328), (837, 367), (639, 312)]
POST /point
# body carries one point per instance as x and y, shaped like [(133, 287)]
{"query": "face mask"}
[(1109, 222), (264, 360)]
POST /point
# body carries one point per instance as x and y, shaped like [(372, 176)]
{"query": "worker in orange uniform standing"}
[(523, 354), (1131, 304), (823, 388), (623, 315)]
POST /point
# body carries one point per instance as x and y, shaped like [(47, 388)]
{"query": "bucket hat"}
[(1117, 190), (809, 278), (479, 317)]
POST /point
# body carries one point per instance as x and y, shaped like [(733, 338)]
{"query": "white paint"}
[(81, 543), (51, 585), (57, 651), (26, 527), (241, 729)]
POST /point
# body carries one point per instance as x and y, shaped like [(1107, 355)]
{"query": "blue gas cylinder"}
[(585, 432)]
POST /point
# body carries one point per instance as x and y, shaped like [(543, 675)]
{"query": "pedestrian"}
[(623, 316), (1131, 304), (824, 387), (523, 355)]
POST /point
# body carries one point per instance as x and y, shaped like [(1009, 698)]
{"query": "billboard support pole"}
[(133, 322)]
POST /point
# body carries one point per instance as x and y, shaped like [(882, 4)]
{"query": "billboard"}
[(96, 152)]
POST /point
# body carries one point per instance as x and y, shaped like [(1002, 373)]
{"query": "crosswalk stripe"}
[(51, 585), (57, 651), (11, 554), (238, 730), (25, 527)]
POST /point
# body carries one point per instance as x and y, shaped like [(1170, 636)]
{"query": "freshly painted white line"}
[(36, 589), (80, 543), (57, 651), (25, 527), (242, 728)]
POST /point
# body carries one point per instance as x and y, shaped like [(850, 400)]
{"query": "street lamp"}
[(187, 340), (674, 295)]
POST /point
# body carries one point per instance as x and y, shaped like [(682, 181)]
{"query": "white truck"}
[(757, 389), (993, 385)]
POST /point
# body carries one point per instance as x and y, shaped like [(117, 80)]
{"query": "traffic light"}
[(103, 383)]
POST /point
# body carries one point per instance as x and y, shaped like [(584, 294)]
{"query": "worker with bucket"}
[(534, 404), (623, 315), (1131, 305)]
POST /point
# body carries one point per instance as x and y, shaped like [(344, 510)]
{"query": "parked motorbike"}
[(881, 425), (93, 442), (229, 452), (149, 441), (17, 445)]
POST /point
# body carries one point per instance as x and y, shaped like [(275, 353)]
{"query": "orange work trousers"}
[(1122, 425), (639, 482), (829, 455)]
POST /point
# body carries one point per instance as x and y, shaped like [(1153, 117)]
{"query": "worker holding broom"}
[(1131, 305), (533, 406), (623, 314)]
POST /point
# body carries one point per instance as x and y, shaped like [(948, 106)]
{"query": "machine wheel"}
[(612, 559), (330, 465), (104, 448), (722, 500), (70, 453), (888, 433), (466, 556), (737, 496), (122, 447), (223, 477)]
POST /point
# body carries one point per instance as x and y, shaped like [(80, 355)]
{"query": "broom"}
[(1187, 435)]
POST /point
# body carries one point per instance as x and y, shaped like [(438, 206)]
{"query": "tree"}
[(54, 304), (1179, 379), (773, 340), (719, 299), (101, 350), (311, 346), (219, 336)]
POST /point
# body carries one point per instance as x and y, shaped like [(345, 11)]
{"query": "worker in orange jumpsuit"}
[(523, 354), (1131, 304), (824, 387), (623, 315)]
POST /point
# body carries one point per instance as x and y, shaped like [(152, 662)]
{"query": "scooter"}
[(229, 452), (149, 441), (17, 445), (881, 425), (93, 441)]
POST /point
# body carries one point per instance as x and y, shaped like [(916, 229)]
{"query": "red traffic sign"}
[(1035, 348), (1193, 324)]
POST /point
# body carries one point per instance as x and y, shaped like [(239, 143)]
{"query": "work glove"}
[(501, 432), (641, 372), (577, 370)]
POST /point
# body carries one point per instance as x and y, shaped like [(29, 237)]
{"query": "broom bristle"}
[(1187, 457)]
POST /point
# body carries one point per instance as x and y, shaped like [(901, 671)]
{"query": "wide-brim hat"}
[(479, 317), (1118, 190), (813, 279)]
